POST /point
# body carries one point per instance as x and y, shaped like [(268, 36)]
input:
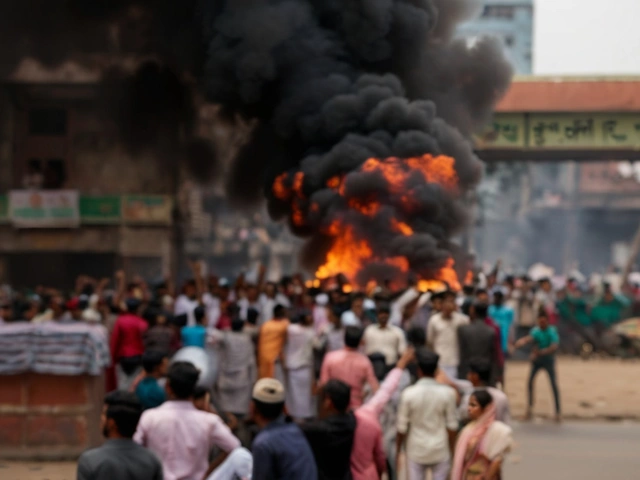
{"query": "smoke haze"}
[(328, 84), (334, 83)]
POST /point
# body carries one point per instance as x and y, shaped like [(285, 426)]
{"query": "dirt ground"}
[(601, 389), (606, 389)]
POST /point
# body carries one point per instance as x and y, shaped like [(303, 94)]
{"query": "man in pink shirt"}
[(182, 436), (368, 459), (350, 366)]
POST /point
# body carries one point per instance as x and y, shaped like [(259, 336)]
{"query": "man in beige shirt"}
[(442, 334), (427, 422), (384, 338)]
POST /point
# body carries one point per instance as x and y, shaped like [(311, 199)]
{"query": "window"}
[(55, 174), (48, 121)]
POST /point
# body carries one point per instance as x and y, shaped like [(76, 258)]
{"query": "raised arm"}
[(523, 341), (196, 270), (390, 384)]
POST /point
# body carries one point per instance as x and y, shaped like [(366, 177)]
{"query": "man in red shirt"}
[(127, 344), (368, 458), (350, 366)]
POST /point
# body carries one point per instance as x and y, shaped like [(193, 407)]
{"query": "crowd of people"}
[(312, 379)]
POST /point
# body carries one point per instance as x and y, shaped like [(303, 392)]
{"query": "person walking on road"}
[(545, 340), (483, 443), (427, 422)]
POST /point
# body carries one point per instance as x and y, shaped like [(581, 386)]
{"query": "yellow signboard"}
[(557, 131), (506, 131)]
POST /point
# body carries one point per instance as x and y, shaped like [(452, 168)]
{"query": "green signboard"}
[(4, 208), (100, 209), (557, 131), (31, 209)]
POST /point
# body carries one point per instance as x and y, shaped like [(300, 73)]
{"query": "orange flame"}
[(446, 277), (448, 274), (440, 169), (346, 255), (280, 190), (401, 227), (370, 209), (298, 180), (350, 254), (433, 285)]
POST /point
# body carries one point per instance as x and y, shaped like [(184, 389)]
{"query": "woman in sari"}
[(483, 443)]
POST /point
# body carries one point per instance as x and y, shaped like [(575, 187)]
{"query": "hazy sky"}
[(587, 37)]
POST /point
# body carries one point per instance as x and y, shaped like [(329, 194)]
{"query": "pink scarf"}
[(472, 433)]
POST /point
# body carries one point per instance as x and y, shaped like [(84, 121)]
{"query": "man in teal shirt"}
[(545, 340), (148, 391), (610, 309), (196, 335), (503, 317)]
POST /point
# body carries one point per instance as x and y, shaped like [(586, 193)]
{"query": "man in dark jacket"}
[(120, 457), (476, 340), (331, 437)]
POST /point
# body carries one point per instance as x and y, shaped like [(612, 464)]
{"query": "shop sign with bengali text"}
[(562, 131), (44, 209), (101, 209), (147, 209)]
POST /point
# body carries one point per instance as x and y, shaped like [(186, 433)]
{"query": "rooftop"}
[(572, 94)]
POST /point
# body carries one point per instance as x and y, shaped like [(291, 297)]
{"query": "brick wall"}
[(49, 416)]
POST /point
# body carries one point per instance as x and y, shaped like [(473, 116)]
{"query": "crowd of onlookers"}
[(315, 379)]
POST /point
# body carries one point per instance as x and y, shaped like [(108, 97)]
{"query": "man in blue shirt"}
[(148, 391), (195, 335), (503, 317), (545, 341), (280, 451)]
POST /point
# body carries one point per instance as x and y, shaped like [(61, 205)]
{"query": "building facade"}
[(73, 200), (512, 22)]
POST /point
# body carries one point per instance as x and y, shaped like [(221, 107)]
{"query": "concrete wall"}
[(6, 141), (100, 164), (49, 416)]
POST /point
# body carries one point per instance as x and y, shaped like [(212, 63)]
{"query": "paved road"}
[(544, 451), (580, 451)]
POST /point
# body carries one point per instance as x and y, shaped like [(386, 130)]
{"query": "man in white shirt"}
[(355, 315), (298, 355), (427, 422), (188, 302), (442, 334), (268, 300), (384, 338)]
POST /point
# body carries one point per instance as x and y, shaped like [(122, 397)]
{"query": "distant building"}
[(512, 22)]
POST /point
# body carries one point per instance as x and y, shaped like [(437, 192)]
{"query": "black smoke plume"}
[(336, 82)]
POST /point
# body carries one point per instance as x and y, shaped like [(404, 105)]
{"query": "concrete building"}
[(576, 142), (73, 200), (511, 21)]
